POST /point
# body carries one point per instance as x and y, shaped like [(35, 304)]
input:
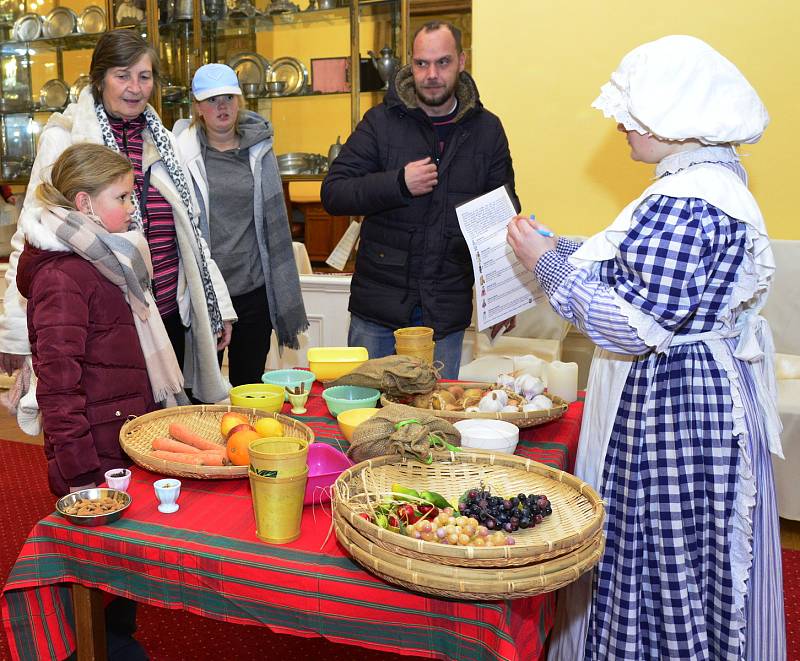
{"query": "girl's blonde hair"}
[(86, 167)]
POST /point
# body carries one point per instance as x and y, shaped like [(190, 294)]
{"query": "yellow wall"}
[(540, 63)]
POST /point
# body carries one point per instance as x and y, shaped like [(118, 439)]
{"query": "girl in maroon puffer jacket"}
[(99, 349)]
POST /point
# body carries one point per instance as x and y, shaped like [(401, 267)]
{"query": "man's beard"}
[(435, 97)]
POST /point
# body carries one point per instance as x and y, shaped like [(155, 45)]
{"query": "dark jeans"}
[(177, 334), (177, 337), (247, 352)]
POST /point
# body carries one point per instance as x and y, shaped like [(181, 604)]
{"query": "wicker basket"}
[(521, 420), (136, 437), (441, 580), (577, 509)]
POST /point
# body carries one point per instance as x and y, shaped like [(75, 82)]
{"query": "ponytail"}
[(50, 196)]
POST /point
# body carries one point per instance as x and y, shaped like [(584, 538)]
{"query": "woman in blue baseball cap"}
[(228, 152)]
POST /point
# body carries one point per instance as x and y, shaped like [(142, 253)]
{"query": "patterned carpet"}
[(176, 635)]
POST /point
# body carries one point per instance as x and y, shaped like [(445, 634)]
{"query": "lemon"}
[(268, 427)]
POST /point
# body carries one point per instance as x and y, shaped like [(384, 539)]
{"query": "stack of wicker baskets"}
[(544, 558)]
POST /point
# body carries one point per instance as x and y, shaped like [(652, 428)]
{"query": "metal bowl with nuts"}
[(93, 507)]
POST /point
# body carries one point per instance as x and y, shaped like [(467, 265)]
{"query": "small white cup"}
[(167, 492), (120, 483)]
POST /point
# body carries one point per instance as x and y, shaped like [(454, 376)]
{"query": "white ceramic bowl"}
[(167, 492), (120, 483), (493, 435)]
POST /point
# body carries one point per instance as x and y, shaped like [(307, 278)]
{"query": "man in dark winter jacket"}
[(428, 147)]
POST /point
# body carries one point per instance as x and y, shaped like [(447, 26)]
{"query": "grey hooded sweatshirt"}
[(231, 200)]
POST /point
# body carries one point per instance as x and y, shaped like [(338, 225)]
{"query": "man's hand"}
[(506, 326), (225, 335), (11, 362), (420, 176)]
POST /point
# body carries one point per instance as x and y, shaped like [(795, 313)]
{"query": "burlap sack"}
[(399, 429), (394, 375)]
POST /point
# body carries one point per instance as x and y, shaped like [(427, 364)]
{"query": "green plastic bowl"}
[(290, 378), (344, 398)]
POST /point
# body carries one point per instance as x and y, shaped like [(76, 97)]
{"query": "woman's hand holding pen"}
[(529, 239)]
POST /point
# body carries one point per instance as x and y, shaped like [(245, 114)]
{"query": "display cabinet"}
[(311, 70)]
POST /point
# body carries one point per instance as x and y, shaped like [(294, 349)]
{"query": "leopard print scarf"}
[(170, 161)]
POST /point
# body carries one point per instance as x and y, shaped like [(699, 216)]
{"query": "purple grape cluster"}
[(507, 514)]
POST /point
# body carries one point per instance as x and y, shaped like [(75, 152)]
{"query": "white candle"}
[(562, 380), (529, 365)]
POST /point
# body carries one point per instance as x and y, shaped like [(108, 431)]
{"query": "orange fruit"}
[(237, 444)]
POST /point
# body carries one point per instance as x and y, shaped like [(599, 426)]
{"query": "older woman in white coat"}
[(188, 289)]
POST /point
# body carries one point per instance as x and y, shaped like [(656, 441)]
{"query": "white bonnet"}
[(679, 88)]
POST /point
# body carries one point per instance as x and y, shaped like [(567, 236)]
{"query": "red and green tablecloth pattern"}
[(206, 559)]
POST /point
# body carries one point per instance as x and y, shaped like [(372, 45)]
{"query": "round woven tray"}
[(136, 437), (521, 420), (577, 508), (467, 583)]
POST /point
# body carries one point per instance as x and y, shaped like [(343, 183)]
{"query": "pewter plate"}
[(77, 87), (53, 95), (92, 20), (59, 23), (27, 27), (293, 72), (250, 68)]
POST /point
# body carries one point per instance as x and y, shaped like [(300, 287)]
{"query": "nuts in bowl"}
[(93, 507)]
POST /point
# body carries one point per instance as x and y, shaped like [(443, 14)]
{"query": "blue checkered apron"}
[(664, 586)]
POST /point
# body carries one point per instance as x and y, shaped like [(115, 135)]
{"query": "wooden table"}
[(206, 559)]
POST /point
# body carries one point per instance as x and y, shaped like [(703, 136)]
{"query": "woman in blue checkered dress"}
[(680, 414)]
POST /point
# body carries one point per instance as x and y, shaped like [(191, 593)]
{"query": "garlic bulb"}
[(539, 403), (528, 386), (490, 403), (510, 408), (500, 395), (505, 381)]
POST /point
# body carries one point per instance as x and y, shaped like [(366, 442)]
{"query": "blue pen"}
[(542, 232)]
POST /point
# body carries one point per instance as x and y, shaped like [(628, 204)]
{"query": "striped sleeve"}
[(588, 303)]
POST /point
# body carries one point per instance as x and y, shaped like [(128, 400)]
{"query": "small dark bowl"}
[(93, 494), (276, 86)]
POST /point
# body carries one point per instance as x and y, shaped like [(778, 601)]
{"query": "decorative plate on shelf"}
[(293, 72), (77, 87), (250, 67), (59, 23), (53, 95), (92, 20), (27, 27)]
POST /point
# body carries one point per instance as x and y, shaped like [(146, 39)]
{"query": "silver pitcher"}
[(387, 64)]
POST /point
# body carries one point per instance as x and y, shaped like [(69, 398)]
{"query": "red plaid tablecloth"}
[(206, 559)]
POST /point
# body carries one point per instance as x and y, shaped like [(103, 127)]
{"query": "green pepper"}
[(399, 491), (435, 499)]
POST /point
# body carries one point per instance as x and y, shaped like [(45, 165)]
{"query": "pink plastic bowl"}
[(325, 464)]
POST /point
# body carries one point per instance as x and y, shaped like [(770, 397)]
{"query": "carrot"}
[(179, 457), (186, 435), (211, 458), (170, 445)]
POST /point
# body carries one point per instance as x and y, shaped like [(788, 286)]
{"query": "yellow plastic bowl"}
[(329, 363), (352, 418), (261, 396)]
